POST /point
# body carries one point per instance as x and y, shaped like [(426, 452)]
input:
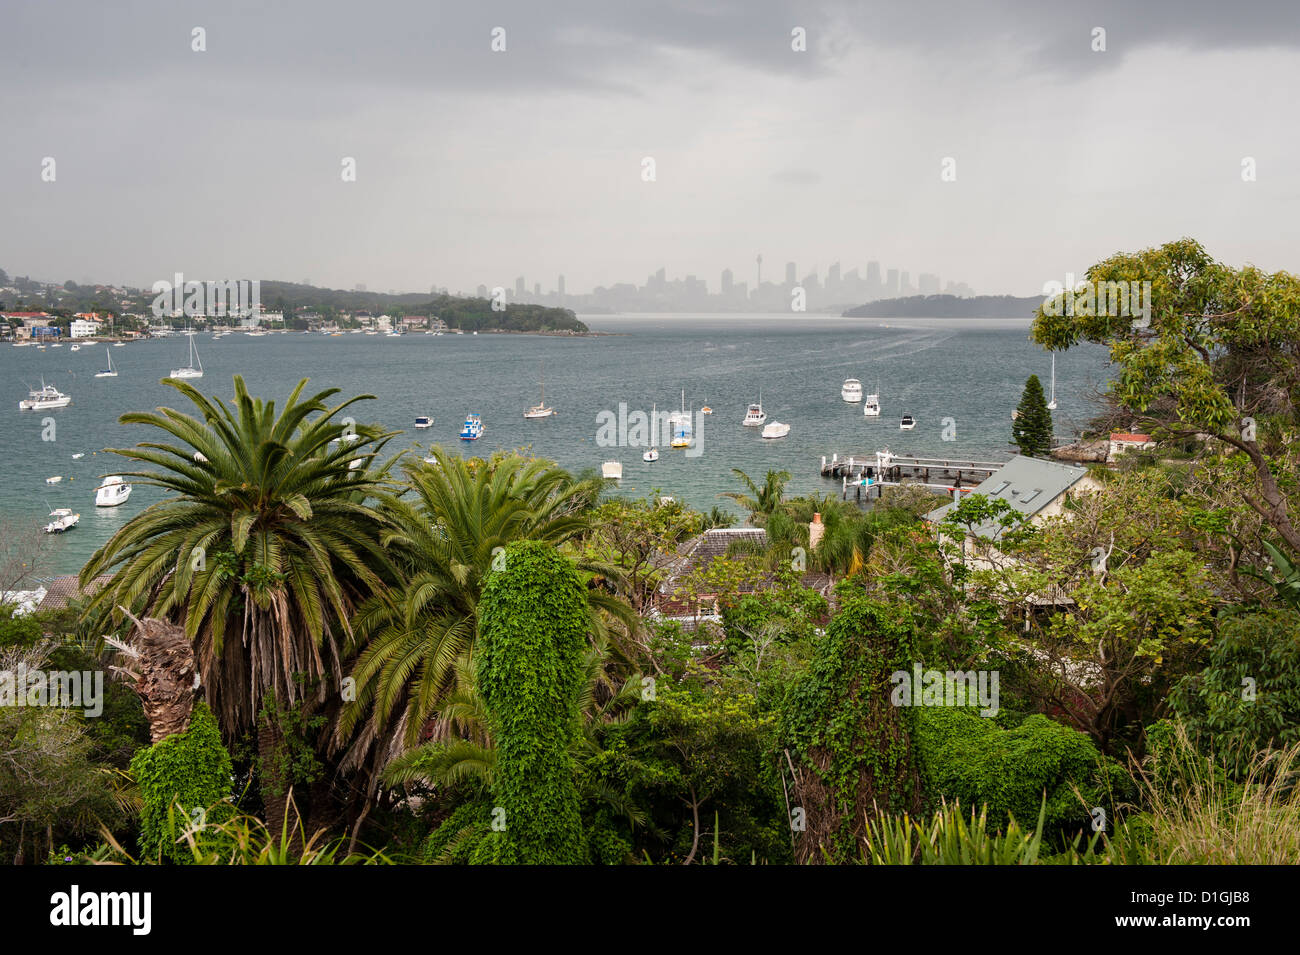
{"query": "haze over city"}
[(474, 166)]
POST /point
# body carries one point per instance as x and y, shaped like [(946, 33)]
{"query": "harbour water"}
[(971, 371)]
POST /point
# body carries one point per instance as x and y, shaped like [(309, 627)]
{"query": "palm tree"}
[(761, 502), (261, 553), (444, 540)]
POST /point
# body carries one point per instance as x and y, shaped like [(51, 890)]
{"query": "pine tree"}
[(1032, 427)]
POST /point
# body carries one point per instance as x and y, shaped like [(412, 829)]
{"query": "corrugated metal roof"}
[(1028, 484)]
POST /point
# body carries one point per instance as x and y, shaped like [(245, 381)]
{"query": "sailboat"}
[(191, 371), (540, 410), (1051, 405), (653, 454), (680, 423), (110, 371)]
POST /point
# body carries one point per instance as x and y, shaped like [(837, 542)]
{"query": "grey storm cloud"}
[(476, 166)]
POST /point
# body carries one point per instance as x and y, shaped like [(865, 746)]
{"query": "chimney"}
[(815, 531)]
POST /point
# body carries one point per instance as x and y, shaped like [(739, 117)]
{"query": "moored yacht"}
[(110, 371), (190, 371), (908, 423), (680, 424), (653, 454), (112, 492), (46, 397), (871, 408), (755, 416), (540, 410), (64, 520), (776, 429), (851, 391), (423, 421), (472, 430)]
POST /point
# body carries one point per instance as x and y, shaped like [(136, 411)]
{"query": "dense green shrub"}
[(533, 620), (970, 758), (193, 771), (1248, 697)]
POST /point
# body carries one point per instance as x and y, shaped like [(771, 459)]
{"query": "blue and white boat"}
[(473, 428)]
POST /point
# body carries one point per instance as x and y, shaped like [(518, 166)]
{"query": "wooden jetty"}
[(875, 472)]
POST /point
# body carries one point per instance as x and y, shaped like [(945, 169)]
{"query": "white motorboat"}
[(75, 348), (871, 408), (119, 344), (679, 423), (755, 416), (190, 371), (612, 470), (64, 520), (908, 423), (851, 391), (112, 492), (540, 410), (79, 455), (423, 421), (54, 480), (650, 456), (46, 397), (776, 429), (110, 371)]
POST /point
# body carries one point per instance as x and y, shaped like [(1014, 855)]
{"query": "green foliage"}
[(700, 746), (533, 623), (189, 772), (264, 546), (1032, 427), (1248, 697), (851, 744), (970, 758)]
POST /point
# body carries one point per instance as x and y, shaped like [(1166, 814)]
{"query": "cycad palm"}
[(263, 549), (444, 541)]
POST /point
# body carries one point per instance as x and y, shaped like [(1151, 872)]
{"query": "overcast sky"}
[(474, 166)]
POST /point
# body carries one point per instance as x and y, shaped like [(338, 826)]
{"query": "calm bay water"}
[(971, 370)]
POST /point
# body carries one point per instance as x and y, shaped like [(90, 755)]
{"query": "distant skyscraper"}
[(904, 285), (790, 278), (759, 281), (519, 287), (927, 283), (537, 289), (726, 282), (361, 286), (874, 285), (559, 285), (891, 283), (482, 291)]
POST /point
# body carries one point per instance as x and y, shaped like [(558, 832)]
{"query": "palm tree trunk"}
[(274, 786)]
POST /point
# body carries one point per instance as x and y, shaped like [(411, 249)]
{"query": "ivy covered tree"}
[(530, 665), (849, 742), (1032, 427)]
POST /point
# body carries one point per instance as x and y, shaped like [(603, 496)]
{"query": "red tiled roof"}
[(1126, 436)]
